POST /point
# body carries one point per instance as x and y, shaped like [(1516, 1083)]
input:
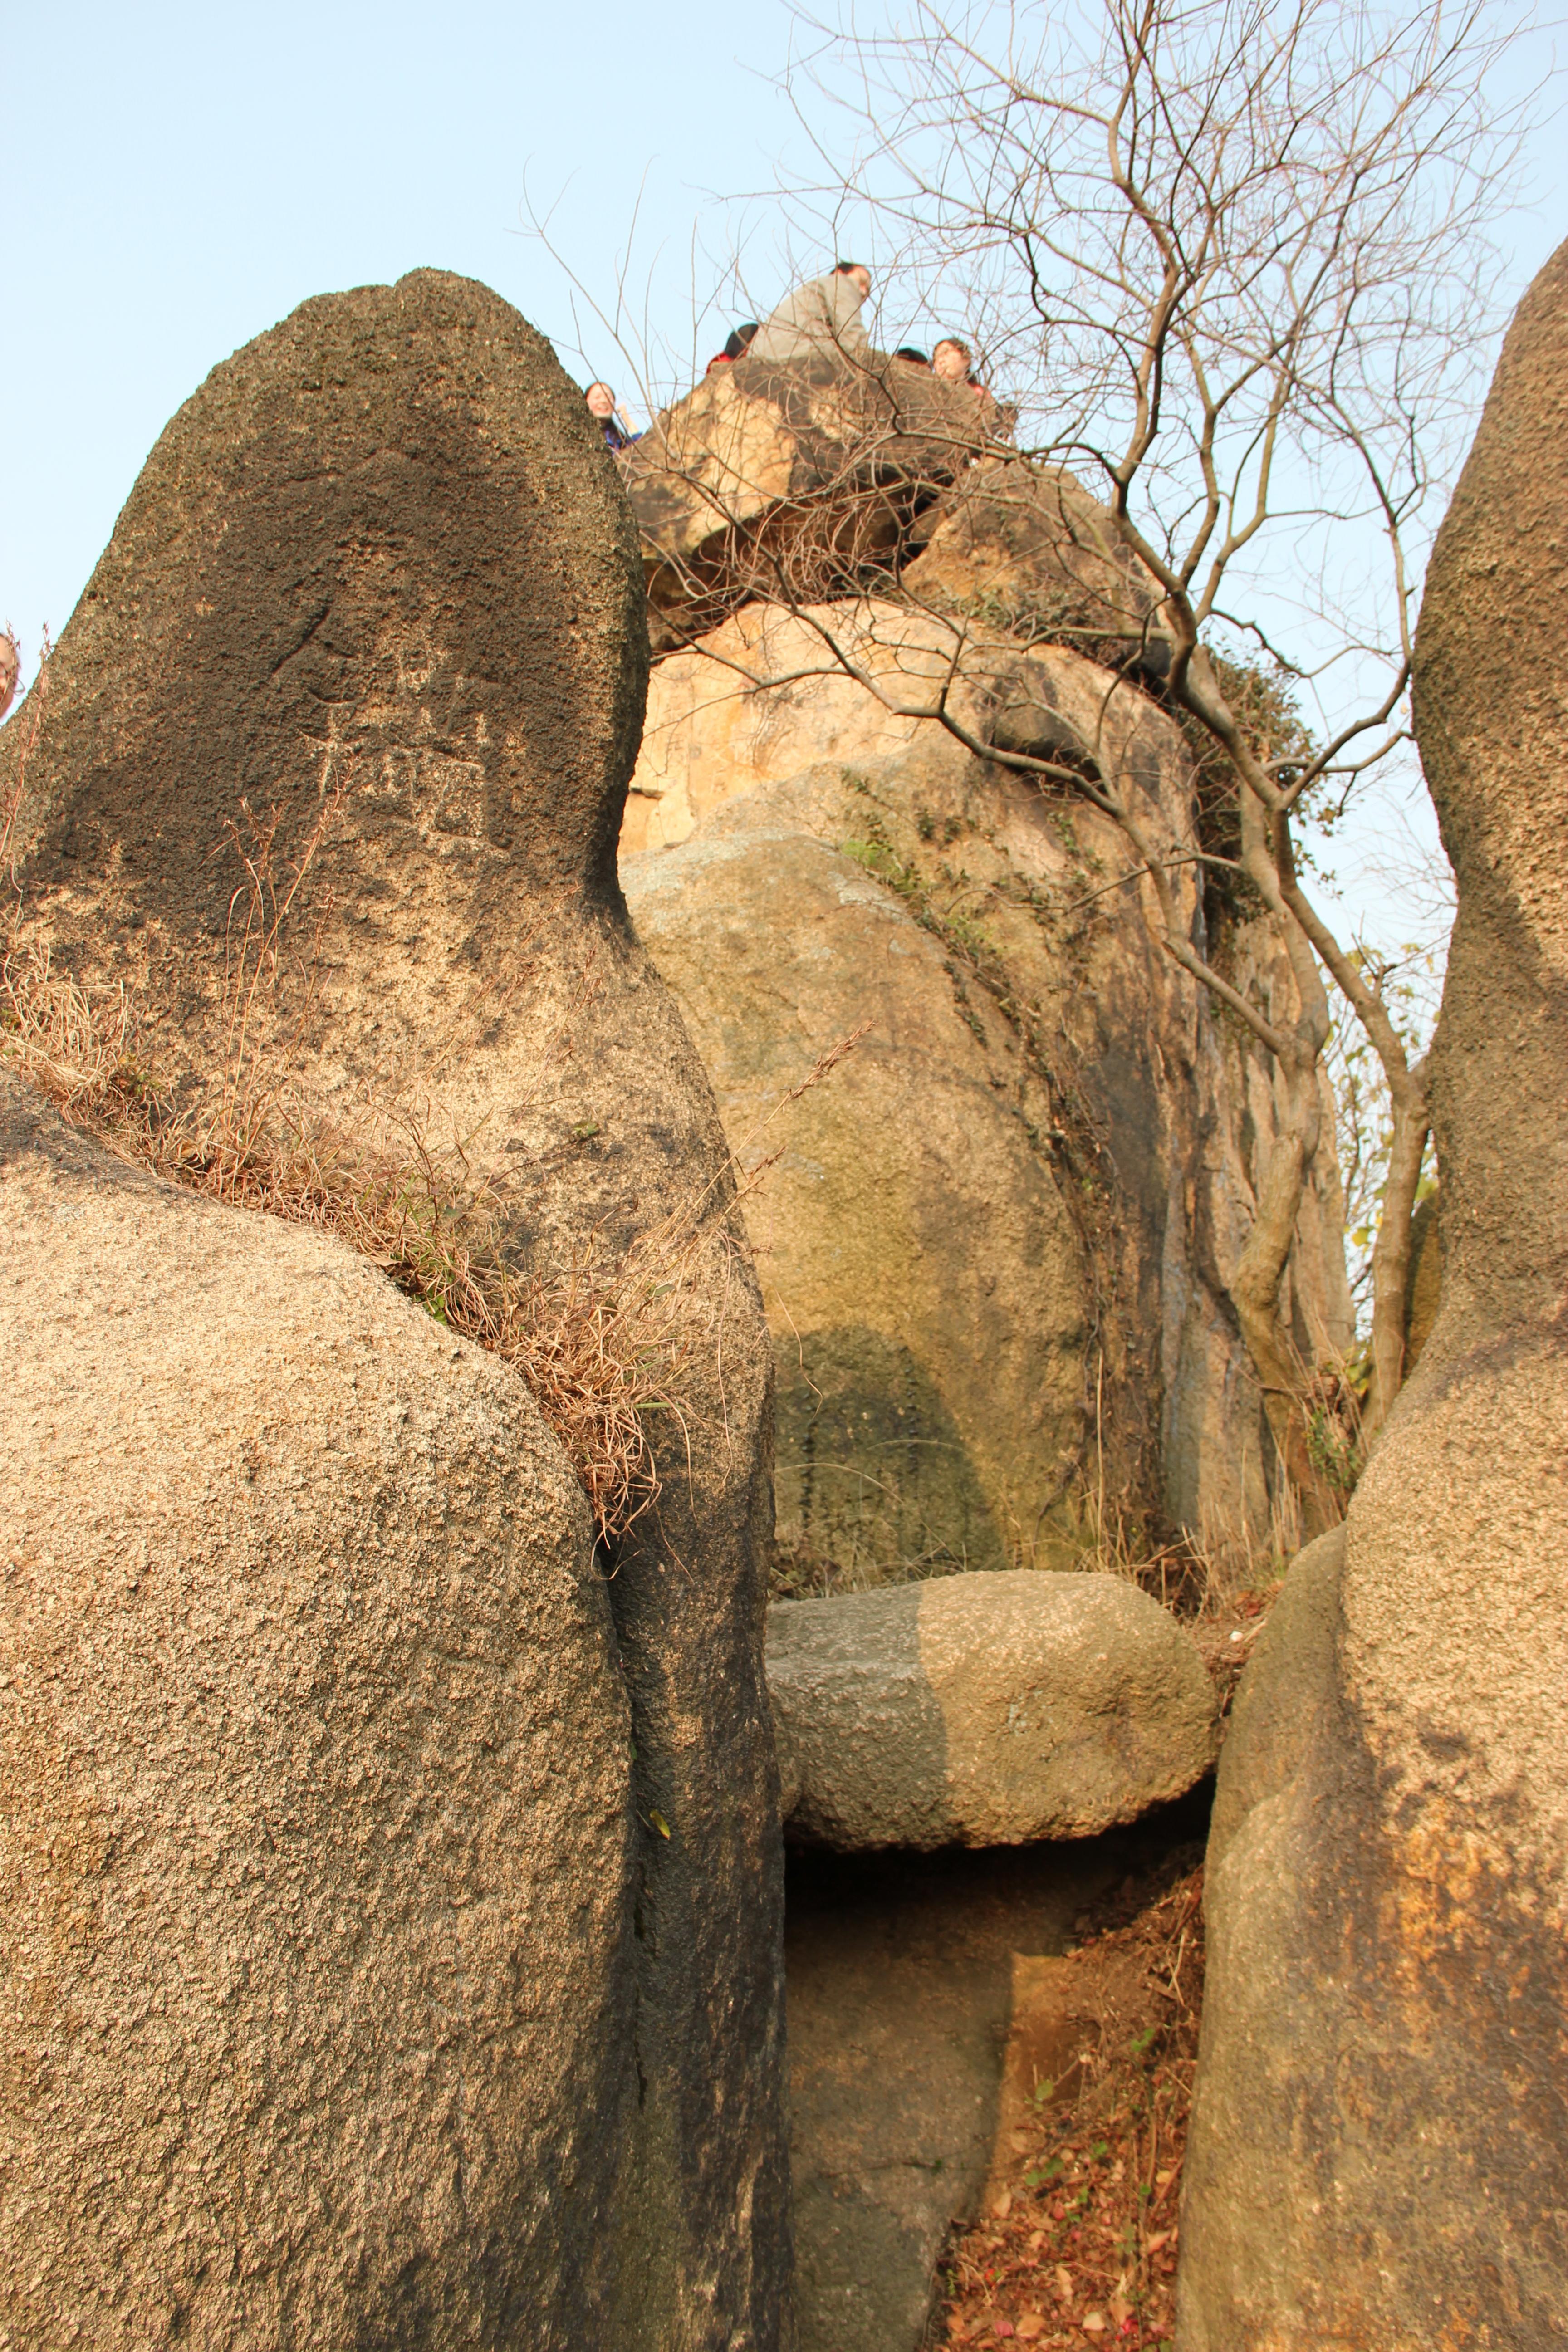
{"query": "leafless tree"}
[(1232, 257)]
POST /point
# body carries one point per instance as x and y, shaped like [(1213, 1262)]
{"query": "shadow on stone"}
[(900, 1973), (872, 1471)]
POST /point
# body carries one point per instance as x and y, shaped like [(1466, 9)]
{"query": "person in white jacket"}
[(819, 319)]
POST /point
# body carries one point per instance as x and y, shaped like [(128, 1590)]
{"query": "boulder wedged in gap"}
[(983, 1709), (330, 778)]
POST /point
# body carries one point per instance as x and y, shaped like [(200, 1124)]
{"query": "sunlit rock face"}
[(994, 1251), (1378, 2157), (792, 478)]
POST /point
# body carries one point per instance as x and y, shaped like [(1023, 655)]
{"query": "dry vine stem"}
[(1233, 256)]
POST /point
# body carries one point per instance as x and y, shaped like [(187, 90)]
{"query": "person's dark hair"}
[(916, 357), (737, 344), (843, 268)]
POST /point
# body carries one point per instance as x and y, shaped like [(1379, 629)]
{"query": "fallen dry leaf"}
[(1030, 2325), (1093, 2322)]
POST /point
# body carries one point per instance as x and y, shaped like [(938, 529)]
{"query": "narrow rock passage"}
[(900, 1974)]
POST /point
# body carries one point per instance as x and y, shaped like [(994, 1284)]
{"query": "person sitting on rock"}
[(955, 362), (819, 319), (601, 403), (736, 346)]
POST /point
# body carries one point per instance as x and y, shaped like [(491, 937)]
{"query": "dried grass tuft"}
[(603, 1346)]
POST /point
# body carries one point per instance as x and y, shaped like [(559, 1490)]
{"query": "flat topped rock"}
[(983, 1709)]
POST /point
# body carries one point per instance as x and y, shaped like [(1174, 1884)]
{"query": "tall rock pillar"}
[(1380, 2151), (328, 779)]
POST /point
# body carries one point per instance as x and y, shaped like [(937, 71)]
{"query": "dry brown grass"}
[(603, 1344), (601, 1347)]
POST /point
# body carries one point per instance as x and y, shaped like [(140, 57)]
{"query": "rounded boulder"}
[(992, 1709)]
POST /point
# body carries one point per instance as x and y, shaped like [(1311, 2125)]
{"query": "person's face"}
[(862, 279), (948, 359), (601, 400)]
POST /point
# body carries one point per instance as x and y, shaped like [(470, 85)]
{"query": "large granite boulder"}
[(1026, 545), (994, 1251), (331, 778), (922, 1271), (316, 1833), (790, 478), (984, 1710), (1379, 2157)]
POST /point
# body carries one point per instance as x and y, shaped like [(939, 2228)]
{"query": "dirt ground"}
[(912, 1979), (1077, 2235)]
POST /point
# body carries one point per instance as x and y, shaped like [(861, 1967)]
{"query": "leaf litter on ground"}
[(1077, 2245)]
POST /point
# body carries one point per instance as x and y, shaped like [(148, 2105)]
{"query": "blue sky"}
[(174, 179)]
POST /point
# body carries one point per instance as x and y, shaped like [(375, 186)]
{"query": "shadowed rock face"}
[(331, 776), (1380, 2153)]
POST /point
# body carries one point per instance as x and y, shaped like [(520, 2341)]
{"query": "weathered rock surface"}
[(1423, 1284), (1026, 546), (1379, 2157), (994, 1252), (315, 1835), (983, 1709), (800, 473), (332, 777), (924, 1274)]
